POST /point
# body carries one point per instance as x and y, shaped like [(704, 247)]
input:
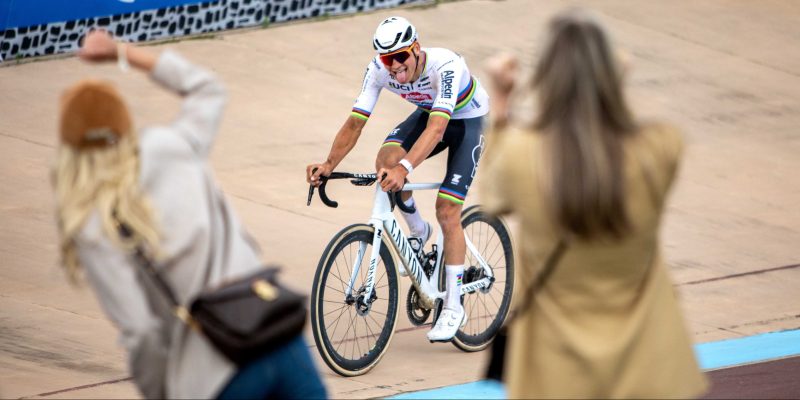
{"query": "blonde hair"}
[(104, 180), (583, 113)]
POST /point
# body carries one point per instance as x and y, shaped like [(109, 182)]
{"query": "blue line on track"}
[(711, 355), (750, 349)]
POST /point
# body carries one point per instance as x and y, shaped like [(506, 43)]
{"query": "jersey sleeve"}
[(447, 78), (370, 90)]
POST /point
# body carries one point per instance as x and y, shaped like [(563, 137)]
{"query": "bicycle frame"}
[(383, 221)]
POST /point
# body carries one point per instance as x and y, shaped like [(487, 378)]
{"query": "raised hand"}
[(502, 71), (98, 46)]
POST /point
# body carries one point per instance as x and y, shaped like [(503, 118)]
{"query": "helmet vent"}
[(408, 34)]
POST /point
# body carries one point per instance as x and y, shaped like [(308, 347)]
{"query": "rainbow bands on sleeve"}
[(360, 114), (441, 112), (466, 95), (451, 195)]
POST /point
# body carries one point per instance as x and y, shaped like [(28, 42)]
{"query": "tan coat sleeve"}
[(496, 180)]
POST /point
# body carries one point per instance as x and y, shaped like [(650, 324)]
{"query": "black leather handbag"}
[(249, 316), (497, 356), (244, 318)]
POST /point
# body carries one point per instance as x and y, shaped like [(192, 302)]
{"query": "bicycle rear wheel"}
[(350, 340), (486, 309)]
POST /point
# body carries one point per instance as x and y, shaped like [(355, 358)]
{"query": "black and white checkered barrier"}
[(176, 21)]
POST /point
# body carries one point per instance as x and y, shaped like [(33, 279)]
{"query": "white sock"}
[(414, 221), (454, 274)]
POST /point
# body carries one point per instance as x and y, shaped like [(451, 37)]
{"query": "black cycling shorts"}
[(465, 141)]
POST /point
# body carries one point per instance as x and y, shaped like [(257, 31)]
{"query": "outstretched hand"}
[(502, 71), (98, 46)]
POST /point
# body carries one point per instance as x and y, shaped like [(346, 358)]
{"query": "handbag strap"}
[(141, 258), (541, 279)]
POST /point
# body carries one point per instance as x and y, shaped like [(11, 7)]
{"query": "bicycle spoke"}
[(378, 312), (336, 321), (334, 289), (500, 245), (350, 325), (355, 334), (370, 334), (331, 312), (338, 270), (344, 284), (493, 299)]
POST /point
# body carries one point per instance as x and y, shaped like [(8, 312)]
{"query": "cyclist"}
[(451, 106)]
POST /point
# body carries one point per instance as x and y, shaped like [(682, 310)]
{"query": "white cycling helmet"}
[(392, 34)]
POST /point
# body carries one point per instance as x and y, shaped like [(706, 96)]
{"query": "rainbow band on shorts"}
[(451, 195), (392, 142), (360, 114), (441, 112)]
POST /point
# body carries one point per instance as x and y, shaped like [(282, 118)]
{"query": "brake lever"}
[(310, 190), (310, 194)]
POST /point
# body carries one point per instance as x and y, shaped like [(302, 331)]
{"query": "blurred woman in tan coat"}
[(606, 323)]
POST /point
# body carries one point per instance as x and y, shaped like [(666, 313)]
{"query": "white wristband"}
[(122, 58), (407, 165)]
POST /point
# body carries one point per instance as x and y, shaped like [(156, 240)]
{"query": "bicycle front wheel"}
[(353, 332), (486, 309)]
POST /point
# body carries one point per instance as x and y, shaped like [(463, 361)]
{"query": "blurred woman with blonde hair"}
[(119, 192), (591, 180)]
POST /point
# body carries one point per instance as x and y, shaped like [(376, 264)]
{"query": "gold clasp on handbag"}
[(183, 314), (265, 290)]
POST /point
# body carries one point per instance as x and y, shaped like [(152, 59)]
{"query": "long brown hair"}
[(583, 114)]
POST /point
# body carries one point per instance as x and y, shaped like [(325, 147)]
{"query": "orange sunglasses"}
[(400, 55)]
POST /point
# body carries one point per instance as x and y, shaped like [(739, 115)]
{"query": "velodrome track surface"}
[(726, 72)]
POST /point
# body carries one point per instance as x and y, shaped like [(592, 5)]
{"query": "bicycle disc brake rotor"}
[(362, 304)]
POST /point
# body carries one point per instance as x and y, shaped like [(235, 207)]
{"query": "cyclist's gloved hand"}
[(314, 171), (392, 178)]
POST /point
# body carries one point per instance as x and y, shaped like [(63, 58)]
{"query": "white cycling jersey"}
[(444, 88)]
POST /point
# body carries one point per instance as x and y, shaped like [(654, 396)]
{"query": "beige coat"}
[(606, 324), (202, 242)]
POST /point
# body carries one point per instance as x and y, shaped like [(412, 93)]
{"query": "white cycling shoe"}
[(417, 244), (447, 325)]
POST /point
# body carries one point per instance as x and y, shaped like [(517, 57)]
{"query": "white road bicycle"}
[(355, 298)]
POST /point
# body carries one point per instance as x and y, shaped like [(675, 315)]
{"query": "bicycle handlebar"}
[(358, 180)]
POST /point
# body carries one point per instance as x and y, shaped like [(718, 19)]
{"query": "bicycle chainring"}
[(416, 314)]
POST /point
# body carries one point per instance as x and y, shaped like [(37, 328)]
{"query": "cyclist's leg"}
[(394, 148), (466, 147)]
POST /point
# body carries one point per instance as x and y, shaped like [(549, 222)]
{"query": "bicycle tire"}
[(324, 299), (472, 337)]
